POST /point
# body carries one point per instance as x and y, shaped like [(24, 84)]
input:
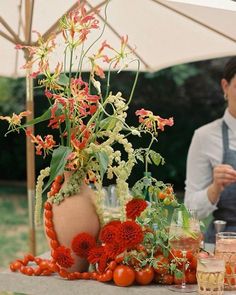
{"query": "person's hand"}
[(223, 175)]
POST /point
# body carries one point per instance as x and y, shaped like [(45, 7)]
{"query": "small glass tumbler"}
[(226, 249), (111, 205), (210, 276)]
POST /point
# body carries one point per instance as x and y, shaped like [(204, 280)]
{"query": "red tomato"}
[(228, 269), (189, 255), (162, 265), (190, 277), (168, 279), (177, 253), (123, 276), (193, 263), (178, 281), (158, 278), (144, 276)]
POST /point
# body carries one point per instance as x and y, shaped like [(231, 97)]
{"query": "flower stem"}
[(135, 82), (147, 153)]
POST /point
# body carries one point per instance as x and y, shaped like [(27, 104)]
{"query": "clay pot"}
[(74, 215)]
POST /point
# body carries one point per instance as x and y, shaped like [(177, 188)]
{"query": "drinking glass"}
[(111, 205), (184, 235), (210, 276), (226, 249)]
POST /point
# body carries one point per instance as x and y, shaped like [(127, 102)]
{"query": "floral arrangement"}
[(91, 120)]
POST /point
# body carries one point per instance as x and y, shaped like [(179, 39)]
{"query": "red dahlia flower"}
[(102, 264), (63, 257), (135, 207), (114, 249), (130, 234), (108, 234), (82, 243), (113, 223), (95, 254)]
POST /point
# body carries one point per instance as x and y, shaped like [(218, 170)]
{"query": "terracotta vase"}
[(74, 215)]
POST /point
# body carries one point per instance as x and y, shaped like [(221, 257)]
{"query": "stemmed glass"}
[(184, 236)]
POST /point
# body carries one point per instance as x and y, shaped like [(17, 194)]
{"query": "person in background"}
[(211, 163)]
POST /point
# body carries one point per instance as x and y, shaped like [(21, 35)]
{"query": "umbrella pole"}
[(30, 158)]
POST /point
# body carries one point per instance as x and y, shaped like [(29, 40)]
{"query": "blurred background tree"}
[(190, 93)]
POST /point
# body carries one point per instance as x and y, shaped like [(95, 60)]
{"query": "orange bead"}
[(59, 179), (48, 224), (54, 244), (29, 271), (51, 234), (17, 265), (63, 273), (23, 269), (48, 206), (48, 214), (94, 275), (78, 275), (46, 272), (72, 276), (43, 264), (25, 261), (38, 260), (29, 257), (85, 275), (37, 271)]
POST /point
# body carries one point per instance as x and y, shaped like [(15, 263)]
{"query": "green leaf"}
[(103, 161), (58, 162), (63, 80), (108, 124), (157, 159), (45, 116)]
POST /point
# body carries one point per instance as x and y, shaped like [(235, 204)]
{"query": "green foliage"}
[(103, 161), (58, 162), (190, 93)]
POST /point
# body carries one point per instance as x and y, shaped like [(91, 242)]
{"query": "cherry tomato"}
[(162, 265), (177, 253), (177, 280), (168, 279), (161, 195), (190, 277), (228, 269), (193, 263), (167, 201), (189, 255), (123, 276), (119, 259), (144, 276), (112, 265)]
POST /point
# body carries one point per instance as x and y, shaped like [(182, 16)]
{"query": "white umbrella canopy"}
[(163, 33)]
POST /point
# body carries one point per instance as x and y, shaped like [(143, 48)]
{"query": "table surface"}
[(16, 282)]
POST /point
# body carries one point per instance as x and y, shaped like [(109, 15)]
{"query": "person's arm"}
[(199, 177), (223, 175)]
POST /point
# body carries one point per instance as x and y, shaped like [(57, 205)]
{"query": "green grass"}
[(14, 229)]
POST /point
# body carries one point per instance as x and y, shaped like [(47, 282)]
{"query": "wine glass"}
[(184, 236)]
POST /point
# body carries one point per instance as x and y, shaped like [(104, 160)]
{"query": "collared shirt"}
[(205, 152)]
